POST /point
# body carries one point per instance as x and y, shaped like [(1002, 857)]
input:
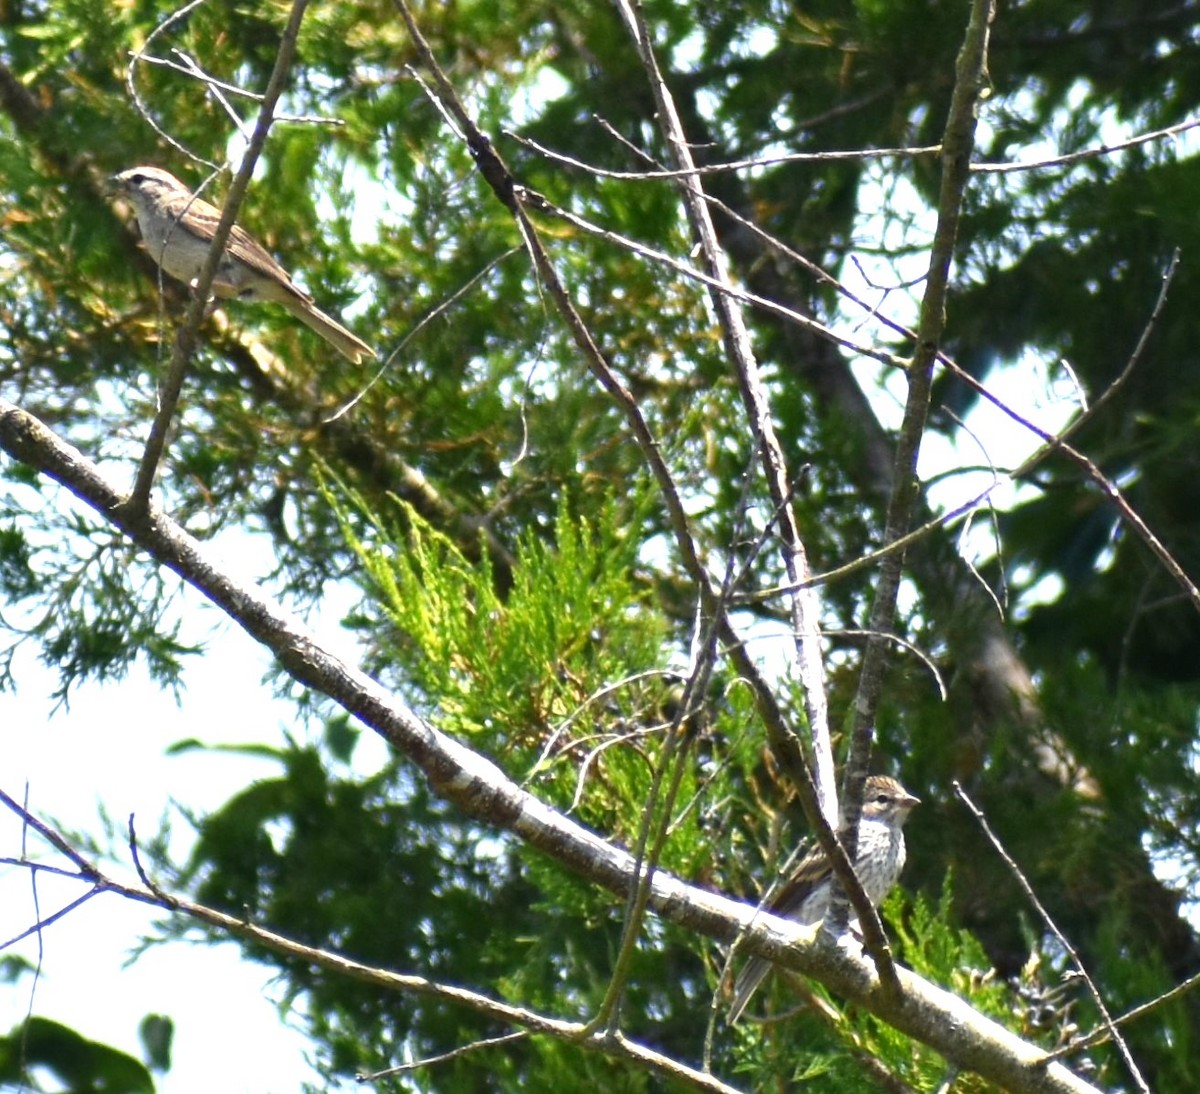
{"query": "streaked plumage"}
[(805, 896)]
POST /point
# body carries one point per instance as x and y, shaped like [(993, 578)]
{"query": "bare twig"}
[(860, 155), (805, 607), (215, 90), (1110, 489), (85, 868), (1063, 941), (435, 312), (131, 83), (445, 1057), (614, 1045), (972, 569), (1086, 153), (542, 204), (190, 67), (551, 745), (897, 546), (1089, 412), (1104, 1032), (696, 170), (41, 949), (904, 644)]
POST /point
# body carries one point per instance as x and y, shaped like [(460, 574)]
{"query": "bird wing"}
[(813, 869), (241, 245)]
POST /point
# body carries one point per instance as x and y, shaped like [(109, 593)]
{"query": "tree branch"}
[(575, 1033)]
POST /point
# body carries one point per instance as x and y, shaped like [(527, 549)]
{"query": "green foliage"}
[(12, 968), (93, 609), (933, 948), (40, 1049), (157, 1032), (553, 673), (17, 577), (929, 944)]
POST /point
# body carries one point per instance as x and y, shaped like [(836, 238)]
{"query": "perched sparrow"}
[(178, 227), (805, 896)]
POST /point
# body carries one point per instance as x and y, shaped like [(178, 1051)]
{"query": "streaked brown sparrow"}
[(804, 898), (178, 227)]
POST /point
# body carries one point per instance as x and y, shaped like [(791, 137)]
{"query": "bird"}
[(178, 227), (805, 896)]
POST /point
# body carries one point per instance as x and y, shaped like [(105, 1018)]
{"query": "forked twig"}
[(1104, 1032), (1062, 939), (185, 341)]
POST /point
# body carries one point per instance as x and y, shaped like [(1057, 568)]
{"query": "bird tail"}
[(753, 973), (348, 344)]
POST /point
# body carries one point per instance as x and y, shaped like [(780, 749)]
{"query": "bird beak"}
[(908, 802)]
